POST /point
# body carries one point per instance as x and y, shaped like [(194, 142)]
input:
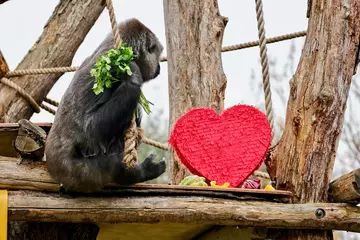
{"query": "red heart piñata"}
[(225, 148)]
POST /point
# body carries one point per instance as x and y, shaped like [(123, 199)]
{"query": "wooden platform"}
[(34, 176)]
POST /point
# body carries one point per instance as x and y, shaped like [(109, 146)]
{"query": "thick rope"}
[(51, 102), (40, 71), (163, 59), (49, 109), (264, 63), (22, 92), (265, 72), (268, 40), (132, 135), (114, 27), (27, 96)]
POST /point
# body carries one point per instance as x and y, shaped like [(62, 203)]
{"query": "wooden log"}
[(36, 206), (346, 188), (196, 77), (33, 175), (56, 47), (306, 152)]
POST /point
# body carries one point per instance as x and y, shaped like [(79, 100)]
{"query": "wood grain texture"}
[(56, 47), (36, 206), (319, 90), (346, 188), (33, 175), (196, 77)]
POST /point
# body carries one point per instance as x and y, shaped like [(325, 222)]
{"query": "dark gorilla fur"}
[(85, 146)]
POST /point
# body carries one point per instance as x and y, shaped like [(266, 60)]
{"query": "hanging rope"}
[(133, 135), (52, 102), (264, 63)]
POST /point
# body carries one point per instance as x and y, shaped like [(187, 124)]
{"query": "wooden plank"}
[(37, 206), (34, 176), (8, 133)]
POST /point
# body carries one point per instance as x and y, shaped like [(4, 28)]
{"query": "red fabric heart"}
[(222, 148)]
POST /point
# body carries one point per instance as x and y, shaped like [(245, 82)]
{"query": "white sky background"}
[(25, 21)]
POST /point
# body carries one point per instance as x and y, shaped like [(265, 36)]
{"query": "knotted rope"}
[(133, 135)]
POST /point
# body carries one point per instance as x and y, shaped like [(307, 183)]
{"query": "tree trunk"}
[(62, 35), (194, 32), (306, 151)]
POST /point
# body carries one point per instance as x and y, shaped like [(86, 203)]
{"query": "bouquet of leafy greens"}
[(118, 59)]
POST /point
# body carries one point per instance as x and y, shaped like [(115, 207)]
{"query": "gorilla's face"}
[(149, 57)]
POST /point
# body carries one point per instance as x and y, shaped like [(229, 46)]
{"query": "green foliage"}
[(118, 59)]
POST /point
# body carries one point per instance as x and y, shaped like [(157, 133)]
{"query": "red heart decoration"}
[(222, 148)]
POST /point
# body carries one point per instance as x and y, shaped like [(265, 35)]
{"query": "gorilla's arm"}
[(117, 111)]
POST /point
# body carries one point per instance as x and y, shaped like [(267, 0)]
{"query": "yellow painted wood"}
[(147, 231), (3, 214)]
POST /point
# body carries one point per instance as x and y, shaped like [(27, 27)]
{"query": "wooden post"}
[(56, 47), (346, 188), (306, 151), (4, 68), (194, 32)]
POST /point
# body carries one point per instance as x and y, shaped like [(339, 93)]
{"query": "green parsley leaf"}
[(119, 60)]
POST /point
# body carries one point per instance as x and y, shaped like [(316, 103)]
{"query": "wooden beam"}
[(56, 47), (36, 206), (33, 175), (196, 77), (346, 188)]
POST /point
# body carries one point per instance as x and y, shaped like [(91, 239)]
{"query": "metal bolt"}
[(320, 213)]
